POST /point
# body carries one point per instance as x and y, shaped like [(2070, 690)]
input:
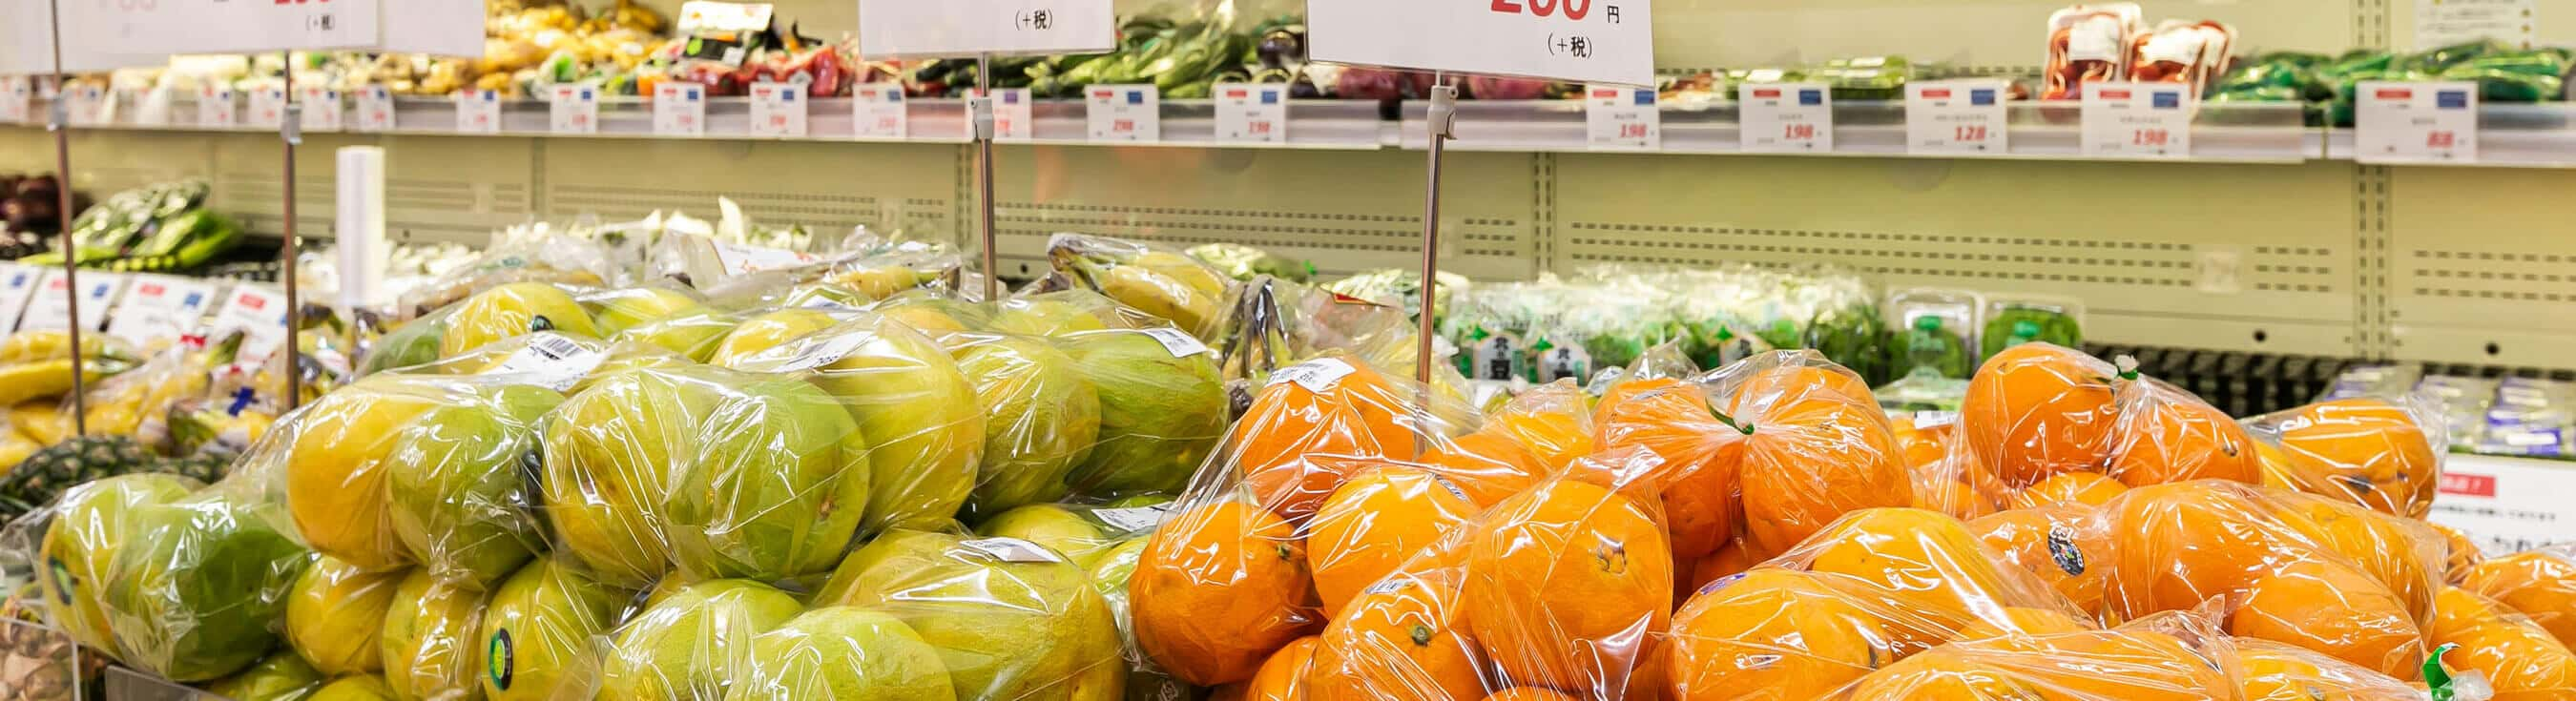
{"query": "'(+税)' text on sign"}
[(1589, 41)]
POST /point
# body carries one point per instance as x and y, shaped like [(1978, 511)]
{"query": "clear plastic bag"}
[(2385, 454), (2037, 410), (2173, 658), (2518, 657), (284, 676), (1167, 284), (1163, 407), (2064, 545), (1814, 446), (2164, 434), (2270, 671), (538, 630), (911, 403), (80, 537), (196, 591), (432, 645), (691, 641), (2539, 583), (334, 614), (842, 652), (1041, 418), (1010, 619)]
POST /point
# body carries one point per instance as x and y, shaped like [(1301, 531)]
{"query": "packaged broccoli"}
[(2012, 321), (1934, 328)]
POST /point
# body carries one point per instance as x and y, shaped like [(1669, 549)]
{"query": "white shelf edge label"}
[(215, 107), (1579, 41), (375, 109), (919, 29), (778, 110), (1129, 113), (151, 106), (877, 111), (48, 310), (2138, 120), (1957, 118), (679, 109), (2434, 122), (1786, 117), (478, 112), (18, 284), (1248, 113), (17, 97), (85, 105), (573, 109), (1014, 115), (321, 107), (1620, 118), (267, 107)]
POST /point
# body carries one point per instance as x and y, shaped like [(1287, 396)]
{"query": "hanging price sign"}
[(2415, 122), (215, 106), (376, 109), (1585, 41), (918, 29), (573, 109), (778, 110), (1622, 119), (1124, 112), (1957, 118), (2138, 120), (1247, 113), (478, 112), (1786, 117), (679, 109), (877, 111)]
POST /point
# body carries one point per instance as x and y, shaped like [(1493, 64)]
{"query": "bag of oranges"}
[(2539, 583), (2383, 453), (2165, 434), (2271, 671), (2174, 657), (2516, 656), (1805, 442)]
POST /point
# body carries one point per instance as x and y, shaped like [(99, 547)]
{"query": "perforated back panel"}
[(2483, 266)]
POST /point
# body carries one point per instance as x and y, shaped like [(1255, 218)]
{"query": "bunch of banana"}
[(134, 404), (1165, 284), (627, 15), (37, 364)]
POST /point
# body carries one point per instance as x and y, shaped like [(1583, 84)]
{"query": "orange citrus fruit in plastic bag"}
[(1772, 634), (1401, 640), (2087, 488), (1697, 480), (1930, 574), (2063, 545), (1553, 421), (1810, 456), (1488, 465), (1374, 523), (1728, 560), (2540, 584), (2036, 410), (2088, 666), (2168, 435), (2516, 655), (1565, 583), (1285, 442), (1219, 589), (2362, 450), (2462, 553), (2402, 553), (2177, 545), (2270, 671), (1283, 676), (2335, 609), (2024, 621), (1529, 693)]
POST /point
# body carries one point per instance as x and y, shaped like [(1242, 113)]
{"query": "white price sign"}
[(2415, 122), (1957, 118), (1584, 41), (49, 310), (215, 106), (1014, 116), (679, 109), (151, 106), (1786, 117), (321, 108), (376, 109), (877, 111), (1622, 119), (778, 109), (478, 112), (16, 98), (2138, 120), (17, 287), (267, 107), (1124, 112), (259, 312), (159, 307), (917, 29), (2440, 23), (1251, 114), (573, 109), (85, 104), (2506, 505)]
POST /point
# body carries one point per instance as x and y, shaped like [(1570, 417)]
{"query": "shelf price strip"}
[(2137, 120), (1957, 118), (2434, 122)]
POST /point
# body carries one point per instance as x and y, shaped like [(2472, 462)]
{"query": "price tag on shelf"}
[(50, 311), (572, 109), (679, 109), (151, 106), (877, 111), (17, 287), (1014, 116), (259, 312), (2415, 122), (376, 109), (267, 107), (1786, 117), (478, 112), (1124, 113), (85, 104), (322, 110), (1622, 119), (17, 100), (1581, 41), (2138, 120), (917, 29), (1248, 113), (159, 306), (215, 106), (1957, 117), (743, 259), (778, 110)]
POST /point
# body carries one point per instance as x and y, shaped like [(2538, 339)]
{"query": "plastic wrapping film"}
[(1008, 619), (1165, 283), (2538, 583), (2270, 671), (336, 614), (2294, 568), (2164, 434), (910, 401), (2383, 453), (432, 644), (519, 256), (2515, 656), (2172, 657), (538, 636), (1812, 445), (2037, 410), (197, 590), (1268, 324), (283, 676)]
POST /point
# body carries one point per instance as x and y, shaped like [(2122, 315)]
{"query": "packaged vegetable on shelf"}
[(2017, 319), (1935, 329), (2382, 453), (2190, 53), (2086, 44)]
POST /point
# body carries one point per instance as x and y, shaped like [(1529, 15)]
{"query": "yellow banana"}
[(40, 420), (51, 378)]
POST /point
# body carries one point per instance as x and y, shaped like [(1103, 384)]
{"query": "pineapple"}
[(47, 473)]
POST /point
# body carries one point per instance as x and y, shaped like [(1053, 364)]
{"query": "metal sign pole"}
[(290, 126), (980, 109), (58, 120), (1443, 124)]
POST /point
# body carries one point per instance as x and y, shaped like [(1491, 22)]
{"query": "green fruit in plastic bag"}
[(362, 688), (1041, 419), (510, 311), (458, 486), (767, 331), (283, 676), (690, 643), (537, 631), (1163, 407), (1044, 317), (911, 403), (194, 593), (694, 336), (1011, 619), (414, 343), (431, 649), (776, 485), (845, 654), (625, 309), (608, 457), (91, 523), (336, 617), (1059, 529)]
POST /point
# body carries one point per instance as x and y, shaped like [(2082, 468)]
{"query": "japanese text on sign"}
[(1247, 113), (1014, 116), (1620, 118), (916, 29), (778, 109), (1956, 117), (1124, 113), (679, 109), (1589, 41), (478, 112), (877, 111), (215, 106), (2415, 122), (321, 108), (2138, 120), (375, 109), (1786, 117), (573, 109)]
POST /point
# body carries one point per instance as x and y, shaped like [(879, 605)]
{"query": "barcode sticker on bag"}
[(1011, 550), (1318, 375), (553, 361), (1181, 345), (1130, 520)]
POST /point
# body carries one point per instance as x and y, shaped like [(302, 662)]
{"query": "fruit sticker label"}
[(1928, 420), (553, 361), (829, 351), (500, 662), (1318, 375), (1181, 345), (1135, 519), (1011, 550)]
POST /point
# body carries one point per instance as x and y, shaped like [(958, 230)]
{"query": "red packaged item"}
[(2182, 52), (2087, 43)]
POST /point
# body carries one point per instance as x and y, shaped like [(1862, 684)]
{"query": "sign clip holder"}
[(1442, 120), (980, 111)]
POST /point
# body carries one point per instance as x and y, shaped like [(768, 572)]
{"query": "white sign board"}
[(2440, 23), (17, 287), (2507, 504), (216, 108), (679, 109), (161, 307), (573, 109), (918, 29), (1124, 112), (2137, 120), (322, 110), (443, 27), (49, 310), (259, 312), (1957, 118), (778, 110), (877, 111), (1622, 119), (478, 112), (1251, 114), (375, 109), (17, 100), (1786, 117), (1583, 41), (1014, 115), (95, 34), (2415, 122)]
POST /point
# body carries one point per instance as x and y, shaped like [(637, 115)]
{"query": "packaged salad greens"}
[(2015, 320)]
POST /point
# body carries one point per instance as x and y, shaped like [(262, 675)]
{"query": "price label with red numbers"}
[(1622, 119), (2415, 122), (919, 29), (1124, 112), (321, 107), (478, 112), (778, 110), (1957, 118), (679, 109), (16, 96), (85, 104), (573, 109), (375, 109), (1580, 41), (267, 107), (1248, 113), (215, 106), (2138, 120), (1786, 117), (877, 111), (1014, 116)]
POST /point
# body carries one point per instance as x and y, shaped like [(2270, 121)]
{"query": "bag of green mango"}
[(1106, 540), (999, 618), (2012, 320), (199, 587)]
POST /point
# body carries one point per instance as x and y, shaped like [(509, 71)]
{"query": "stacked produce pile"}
[(160, 228)]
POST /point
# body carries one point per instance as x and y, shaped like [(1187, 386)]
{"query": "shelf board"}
[(2239, 133), (2509, 136)]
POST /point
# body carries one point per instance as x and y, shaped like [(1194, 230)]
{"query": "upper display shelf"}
[(2511, 135)]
